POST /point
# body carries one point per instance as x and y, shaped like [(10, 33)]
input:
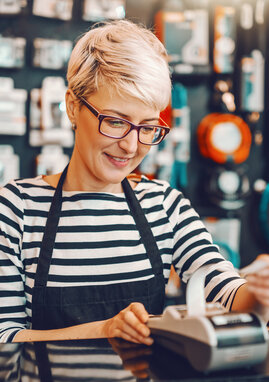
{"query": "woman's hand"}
[(258, 282), (253, 296), (130, 324)]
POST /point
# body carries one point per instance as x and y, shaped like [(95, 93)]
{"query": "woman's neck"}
[(53, 180), (76, 180)]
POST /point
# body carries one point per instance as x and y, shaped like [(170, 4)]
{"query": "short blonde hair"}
[(122, 55)]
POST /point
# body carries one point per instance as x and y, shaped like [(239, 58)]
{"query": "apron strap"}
[(144, 228), (50, 231)]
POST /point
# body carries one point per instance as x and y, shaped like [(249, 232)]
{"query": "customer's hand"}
[(130, 324), (258, 282)]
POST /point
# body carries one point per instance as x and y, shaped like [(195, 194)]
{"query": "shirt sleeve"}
[(12, 277), (193, 248)]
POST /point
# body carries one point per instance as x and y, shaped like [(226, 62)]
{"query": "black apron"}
[(59, 307)]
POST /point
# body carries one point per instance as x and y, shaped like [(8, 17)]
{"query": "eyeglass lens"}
[(116, 128)]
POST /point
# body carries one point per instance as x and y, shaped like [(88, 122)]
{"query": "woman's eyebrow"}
[(115, 112), (125, 116)]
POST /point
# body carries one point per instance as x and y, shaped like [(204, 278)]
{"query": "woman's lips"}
[(118, 161)]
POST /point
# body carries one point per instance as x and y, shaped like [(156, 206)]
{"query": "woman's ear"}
[(71, 104)]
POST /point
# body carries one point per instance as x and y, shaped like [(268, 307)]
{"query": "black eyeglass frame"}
[(100, 117)]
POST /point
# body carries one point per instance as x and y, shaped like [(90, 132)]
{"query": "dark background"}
[(199, 96)]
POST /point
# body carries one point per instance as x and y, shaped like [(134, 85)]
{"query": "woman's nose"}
[(130, 142)]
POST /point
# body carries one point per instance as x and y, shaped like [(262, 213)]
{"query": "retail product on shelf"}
[(95, 10), (12, 108), (51, 160), (185, 35), (9, 164), (51, 53), (224, 39), (227, 187), (226, 234), (224, 138), (12, 51), (11, 7), (59, 9), (48, 120)]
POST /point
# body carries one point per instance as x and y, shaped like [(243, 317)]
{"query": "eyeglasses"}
[(117, 128)]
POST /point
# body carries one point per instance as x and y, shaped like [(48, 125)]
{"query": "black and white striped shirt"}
[(97, 243)]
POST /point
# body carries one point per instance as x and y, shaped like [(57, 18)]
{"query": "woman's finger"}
[(134, 322), (259, 281), (129, 331), (139, 310), (136, 339)]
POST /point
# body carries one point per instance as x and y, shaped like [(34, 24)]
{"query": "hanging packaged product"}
[(12, 52), (223, 99), (252, 50), (51, 54), (246, 19), (148, 166), (227, 188), (165, 159), (260, 11), (12, 108), (180, 135), (224, 39), (224, 138), (96, 10), (9, 164), (58, 9), (35, 110), (252, 82), (48, 119), (186, 38), (226, 234), (262, 188), (11, 7), (51, 160)]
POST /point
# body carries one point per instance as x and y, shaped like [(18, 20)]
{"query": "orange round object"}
[(224, 138)]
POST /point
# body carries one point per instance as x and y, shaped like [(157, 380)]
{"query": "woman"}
[(100, 266)]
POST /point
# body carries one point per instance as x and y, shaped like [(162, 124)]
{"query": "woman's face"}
[(104, 162)]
